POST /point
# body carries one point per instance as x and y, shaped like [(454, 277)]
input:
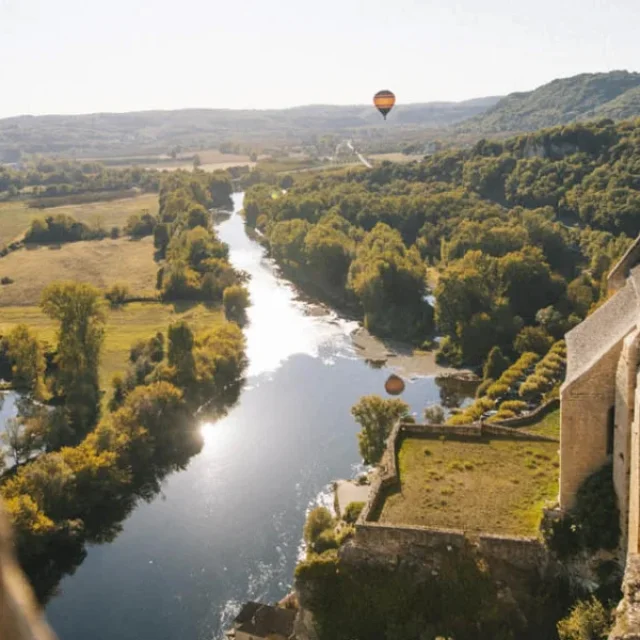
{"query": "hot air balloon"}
[(394, 385), (384, 101)]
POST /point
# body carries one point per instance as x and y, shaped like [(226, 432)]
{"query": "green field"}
[(489, 484), (548, 426), (16, 216), (124, 326)]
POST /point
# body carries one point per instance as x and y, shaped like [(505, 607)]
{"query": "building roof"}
[(262, 620), (607, 326), (621, 270)]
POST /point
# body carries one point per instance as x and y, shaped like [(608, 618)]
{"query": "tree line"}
[(47, 178), (80, 463), (515, 235)]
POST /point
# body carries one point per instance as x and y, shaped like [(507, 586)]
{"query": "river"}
[(228, 528)]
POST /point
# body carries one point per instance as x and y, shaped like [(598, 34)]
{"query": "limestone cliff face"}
[(467, 590), (627, 624)]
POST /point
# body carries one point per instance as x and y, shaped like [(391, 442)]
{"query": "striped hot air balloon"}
[(384, 101)]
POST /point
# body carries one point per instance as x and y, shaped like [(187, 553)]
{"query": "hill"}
[(589, 95), (112, 134)]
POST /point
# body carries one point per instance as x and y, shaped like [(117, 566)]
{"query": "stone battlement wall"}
[(384, 539)]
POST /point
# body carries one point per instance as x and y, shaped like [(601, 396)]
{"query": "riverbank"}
[(402, 357)]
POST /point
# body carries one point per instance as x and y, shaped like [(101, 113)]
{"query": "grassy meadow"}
[(101, 263), (16, 216), (487, 484), (123, 327)]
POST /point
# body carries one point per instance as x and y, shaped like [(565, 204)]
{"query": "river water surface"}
[(228, 528)]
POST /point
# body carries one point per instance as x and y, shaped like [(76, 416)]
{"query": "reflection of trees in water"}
[(453, 391), (67, 551)]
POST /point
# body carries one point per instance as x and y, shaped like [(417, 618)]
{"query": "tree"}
[(588, 620), (180, 352), (196, 161), (22, 439), (495, 364), (318, 520), (28, 360), (434, 414), (161, 237), (79, 312), (235, 300), (534, 339), (376, 416)]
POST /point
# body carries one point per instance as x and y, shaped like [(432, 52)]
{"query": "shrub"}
[(344, 534), (7, 280), (140, 225), (352, 512), (495, 364), (114, 234), (434, 414), (459, 418), (318, 520), (325, 541), (483, 386), (497, 390), (534, 339), (588, 620), (318, 567), (517, 406), (504, 414), (235, 300), (117, 294), (484, 404)]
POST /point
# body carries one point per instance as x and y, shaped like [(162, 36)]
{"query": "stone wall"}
[(584, 409), (633, 523), (627, 619), (626, 376), (533, 417), (375, 539)]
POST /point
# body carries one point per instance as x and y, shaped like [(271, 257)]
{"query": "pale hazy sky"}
[(79, 56)]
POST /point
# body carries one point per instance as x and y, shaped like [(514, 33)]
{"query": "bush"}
[(534, 339), (318, 520), (352, 512), (140, 225), (117, 295), (497, 390), (517, 406), (483, 386), (235, 300), (434, 414), (503, 414), (7, 280), (588, 620), (114, 234), (495, 364), (325, 541)]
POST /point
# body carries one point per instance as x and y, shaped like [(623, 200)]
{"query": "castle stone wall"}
[(626, 376), (584, 410), (633, 523)]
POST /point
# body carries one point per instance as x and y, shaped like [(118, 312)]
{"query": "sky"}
[(86, 56)]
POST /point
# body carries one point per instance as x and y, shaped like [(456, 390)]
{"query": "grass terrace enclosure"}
[(100, 263), (16, 216), (548, 426), (487, 484)]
